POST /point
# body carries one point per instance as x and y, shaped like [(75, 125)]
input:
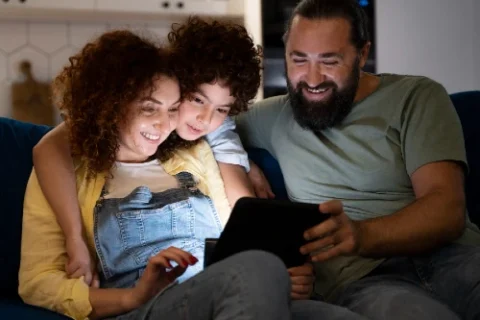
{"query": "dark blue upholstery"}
[(467, 105), (17, 140)]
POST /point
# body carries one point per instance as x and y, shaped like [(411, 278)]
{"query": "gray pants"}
[(442, 285), (249, 285)]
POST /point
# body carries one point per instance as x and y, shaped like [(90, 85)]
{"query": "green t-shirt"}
[(366, 162)]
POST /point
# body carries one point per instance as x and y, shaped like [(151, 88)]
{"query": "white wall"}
[(48, 46), (436, 38), (476, 41)]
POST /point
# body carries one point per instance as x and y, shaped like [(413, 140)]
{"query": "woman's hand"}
[(302, 279), (159, 273)]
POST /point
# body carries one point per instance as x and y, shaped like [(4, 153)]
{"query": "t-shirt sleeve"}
[(255, 127), (226, 145), (431, 130)]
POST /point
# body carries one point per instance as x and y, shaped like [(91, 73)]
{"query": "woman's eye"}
[(148, 110), (198, 100)]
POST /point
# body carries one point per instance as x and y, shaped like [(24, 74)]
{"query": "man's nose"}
[(314, 76)]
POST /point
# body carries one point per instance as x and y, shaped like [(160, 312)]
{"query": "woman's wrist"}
[(129, 300)]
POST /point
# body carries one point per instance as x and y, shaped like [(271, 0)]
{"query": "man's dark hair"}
[(326, 9)]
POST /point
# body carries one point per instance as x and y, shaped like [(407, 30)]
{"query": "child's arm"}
[(237, 184), (56, 176), (232, 160)]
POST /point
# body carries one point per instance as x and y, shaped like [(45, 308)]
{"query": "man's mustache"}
[(321, 86)]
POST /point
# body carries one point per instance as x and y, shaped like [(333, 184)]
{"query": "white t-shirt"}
[(128, 176)]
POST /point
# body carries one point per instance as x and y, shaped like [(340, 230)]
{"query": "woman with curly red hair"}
[(143, 208), (218, 67)]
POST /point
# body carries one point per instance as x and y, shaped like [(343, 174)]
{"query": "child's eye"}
[(224, 111), (197, 100)]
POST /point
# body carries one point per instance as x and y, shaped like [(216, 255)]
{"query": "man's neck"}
[(366, 86)]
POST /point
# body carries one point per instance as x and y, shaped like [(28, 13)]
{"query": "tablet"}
[(276, 226)]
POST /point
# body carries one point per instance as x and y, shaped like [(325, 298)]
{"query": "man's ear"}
[(363, 54)]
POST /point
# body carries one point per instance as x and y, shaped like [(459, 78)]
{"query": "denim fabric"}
[(444, 284), (129, 231)]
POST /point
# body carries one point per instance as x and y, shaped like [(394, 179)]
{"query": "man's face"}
[(323, 70)]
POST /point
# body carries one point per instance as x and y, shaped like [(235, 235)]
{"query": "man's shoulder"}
[(274, 102), (410, 83)]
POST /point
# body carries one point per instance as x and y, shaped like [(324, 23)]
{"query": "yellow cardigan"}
[(42, 278)]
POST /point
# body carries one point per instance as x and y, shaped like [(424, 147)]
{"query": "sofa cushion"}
[(16, 142), (19, 310)]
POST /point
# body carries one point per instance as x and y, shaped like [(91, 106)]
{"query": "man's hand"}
[(334, 237), (302, 279), (259, 182)]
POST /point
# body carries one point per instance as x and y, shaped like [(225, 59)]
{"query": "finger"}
[(271, 195), (95, 280), (70, 268), (322, 229), (175, 273), (320, 244), (181, 257), (335, 251), (77, 274), (304, 270), (88, 277), (296, 296), (261, 193), (333, 207), (301, 289), (159, 260), (303, 280)]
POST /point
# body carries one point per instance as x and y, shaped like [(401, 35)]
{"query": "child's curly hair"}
[(211, 51), (96, 89)]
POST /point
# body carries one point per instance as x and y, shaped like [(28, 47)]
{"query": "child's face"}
[(205, 111)]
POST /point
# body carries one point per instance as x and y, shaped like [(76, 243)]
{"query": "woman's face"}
[(205, 111), (151, 118)]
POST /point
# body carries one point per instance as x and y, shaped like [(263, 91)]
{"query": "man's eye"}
[(330, 63)]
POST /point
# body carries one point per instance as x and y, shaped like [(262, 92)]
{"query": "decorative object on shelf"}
[(31, 100)]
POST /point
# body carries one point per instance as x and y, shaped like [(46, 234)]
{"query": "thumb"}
[(175, 273), (95, 280), (88, 277)]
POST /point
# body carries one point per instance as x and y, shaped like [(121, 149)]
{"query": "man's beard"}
[(319, 115)]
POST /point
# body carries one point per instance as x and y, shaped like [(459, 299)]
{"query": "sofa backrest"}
[(17, 140)]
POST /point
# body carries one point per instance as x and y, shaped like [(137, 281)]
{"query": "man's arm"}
[(434, 155), (437, 216)]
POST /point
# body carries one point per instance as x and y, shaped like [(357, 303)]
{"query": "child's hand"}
[(259, 182), (79, 262)]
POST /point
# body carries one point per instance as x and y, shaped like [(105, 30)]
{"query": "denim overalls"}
[(129, 231)]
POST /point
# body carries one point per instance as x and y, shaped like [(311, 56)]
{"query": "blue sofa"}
[(17, 140)]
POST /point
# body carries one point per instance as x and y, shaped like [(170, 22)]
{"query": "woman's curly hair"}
[(96, 89), (210, 51)]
